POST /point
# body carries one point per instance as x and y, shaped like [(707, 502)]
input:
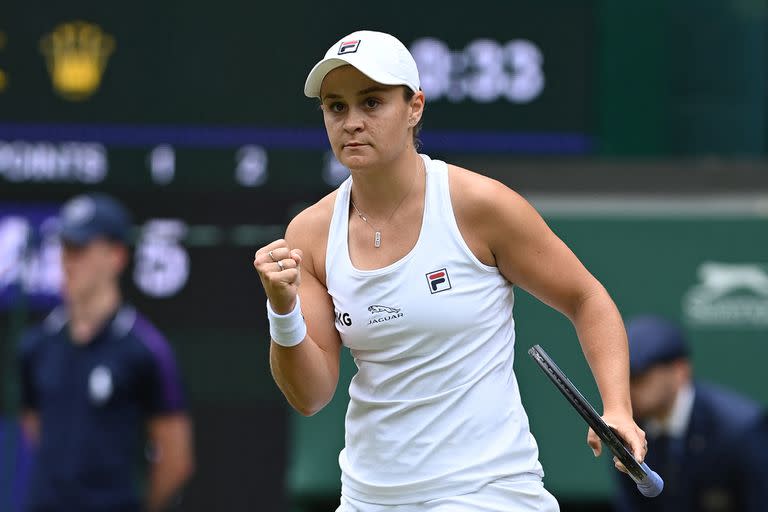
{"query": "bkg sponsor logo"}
[(343, 318)]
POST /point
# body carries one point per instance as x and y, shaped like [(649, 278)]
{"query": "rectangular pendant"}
[(377, 239)]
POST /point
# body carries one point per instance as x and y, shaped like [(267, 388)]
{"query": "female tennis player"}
[(411, 264)]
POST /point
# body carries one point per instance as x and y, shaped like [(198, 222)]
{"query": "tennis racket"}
[(649, 483)]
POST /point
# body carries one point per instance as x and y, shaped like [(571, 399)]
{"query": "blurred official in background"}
[(97, 378), (709, 444)]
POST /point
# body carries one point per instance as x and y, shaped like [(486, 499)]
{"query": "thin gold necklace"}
[(377, 231)]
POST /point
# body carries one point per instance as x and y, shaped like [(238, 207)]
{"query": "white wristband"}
[(287, 330)]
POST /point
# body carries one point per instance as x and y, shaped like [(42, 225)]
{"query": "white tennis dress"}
[(435, 411)]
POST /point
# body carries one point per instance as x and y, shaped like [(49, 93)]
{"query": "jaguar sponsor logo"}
[(383, 314), (382, 309), (728, 294)]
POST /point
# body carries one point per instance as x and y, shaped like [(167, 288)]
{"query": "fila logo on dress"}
[(438, 281)]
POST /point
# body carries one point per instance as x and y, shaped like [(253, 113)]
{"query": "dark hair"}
[(408, 93)]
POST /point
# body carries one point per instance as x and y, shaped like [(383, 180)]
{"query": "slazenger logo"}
[(733, 294), (383, 314)]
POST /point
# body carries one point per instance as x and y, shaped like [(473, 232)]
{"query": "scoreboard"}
[(193, 114), (205, 94)]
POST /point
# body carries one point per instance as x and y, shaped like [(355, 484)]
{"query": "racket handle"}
[(652, 485)]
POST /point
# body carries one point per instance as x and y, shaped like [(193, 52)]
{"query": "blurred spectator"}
[(97, 378), (709, 444)]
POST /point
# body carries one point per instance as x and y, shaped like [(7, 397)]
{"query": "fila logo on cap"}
[(438, 281), (349, 46)]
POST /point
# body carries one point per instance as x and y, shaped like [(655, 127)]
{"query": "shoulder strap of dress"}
[(337, 231)]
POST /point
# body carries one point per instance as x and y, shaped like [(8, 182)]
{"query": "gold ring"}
[(271, 257), (280, 264)]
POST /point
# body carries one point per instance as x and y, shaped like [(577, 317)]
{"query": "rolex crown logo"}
[(76, 54)]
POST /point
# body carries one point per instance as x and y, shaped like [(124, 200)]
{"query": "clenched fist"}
[(280, 273)]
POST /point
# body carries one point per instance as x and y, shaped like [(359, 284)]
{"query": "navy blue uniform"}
[(93, 401), (720, 465)]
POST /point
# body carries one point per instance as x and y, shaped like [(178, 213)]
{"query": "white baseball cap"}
[(379, 56)]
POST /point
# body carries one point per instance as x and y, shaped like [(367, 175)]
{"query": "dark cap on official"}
[(653, 340), (87, 217)]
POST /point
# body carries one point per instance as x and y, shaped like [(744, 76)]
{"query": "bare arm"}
[(173, 459), (30, 425), (531, 256), (307, 373)]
